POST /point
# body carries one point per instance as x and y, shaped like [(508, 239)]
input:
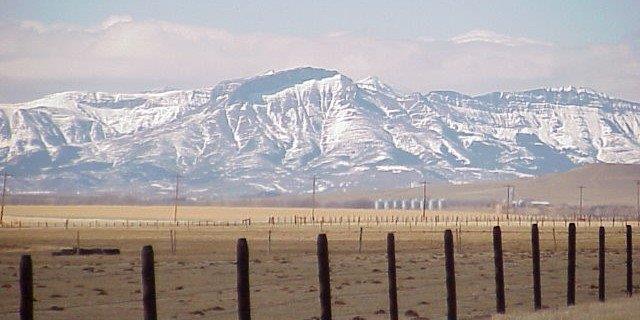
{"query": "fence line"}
[(324, 275), (405, 219)]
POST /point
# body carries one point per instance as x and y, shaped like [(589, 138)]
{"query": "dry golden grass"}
[(198, 282), (151, 213), (621, 309)]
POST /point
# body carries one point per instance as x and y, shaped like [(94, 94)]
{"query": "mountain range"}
[(270, 134)]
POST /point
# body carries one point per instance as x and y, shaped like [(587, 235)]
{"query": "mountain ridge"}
[(270, 133)]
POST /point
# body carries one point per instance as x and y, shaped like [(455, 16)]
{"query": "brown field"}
[(198, 281), (621, 309), (195, 213)]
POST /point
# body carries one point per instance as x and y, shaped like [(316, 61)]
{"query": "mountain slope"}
[(273, 132)]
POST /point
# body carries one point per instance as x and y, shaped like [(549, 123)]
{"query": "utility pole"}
[(175, 200), (313, 200), (638, 200), (508, 198), (424, 199), (513, 198), (4, 189), (581, 198)]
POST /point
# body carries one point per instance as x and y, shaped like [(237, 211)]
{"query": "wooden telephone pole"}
[(580, 205), (175, 200), (638, 200), (4, 190), (508, 198), (424, 199), (313, 200), (513, 197)]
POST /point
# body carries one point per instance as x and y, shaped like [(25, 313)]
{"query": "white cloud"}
[(124, 54), (496, 38), (115, 19)]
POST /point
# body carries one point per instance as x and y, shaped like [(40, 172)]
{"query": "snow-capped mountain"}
[(273, 132)]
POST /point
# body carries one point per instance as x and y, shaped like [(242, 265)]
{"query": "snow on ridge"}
[(276, 130), (571, 88)]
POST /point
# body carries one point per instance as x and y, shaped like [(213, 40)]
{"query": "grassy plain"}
[(198, 281)]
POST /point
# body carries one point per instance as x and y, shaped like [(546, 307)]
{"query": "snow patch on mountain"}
[(271, 133)]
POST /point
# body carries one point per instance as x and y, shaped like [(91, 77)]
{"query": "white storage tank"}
[(432, 204), (414, 204)]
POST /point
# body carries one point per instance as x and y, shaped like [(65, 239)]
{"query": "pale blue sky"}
[(472, 47), (573, 21)]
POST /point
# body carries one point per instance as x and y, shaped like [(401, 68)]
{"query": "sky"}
[(472, 47)]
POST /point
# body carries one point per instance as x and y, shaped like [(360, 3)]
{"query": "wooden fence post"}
[(360, 241), (26, 288), (571, 266), (393, 289), (601, 264), (242, 266), (148, 284), (629, 262), (269, 246), (324, 277), (499, 268), (171, 236), (459, 233), (174, 241), (452, 313), (535, 256)]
